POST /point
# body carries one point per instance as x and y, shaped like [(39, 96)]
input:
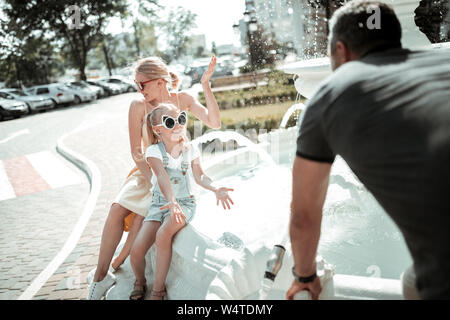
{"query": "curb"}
[(94, 176)]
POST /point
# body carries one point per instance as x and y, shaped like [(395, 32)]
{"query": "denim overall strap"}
[(162, 149), (184, 168)]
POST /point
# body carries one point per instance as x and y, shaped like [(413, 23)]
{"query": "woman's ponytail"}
[(174, 80)]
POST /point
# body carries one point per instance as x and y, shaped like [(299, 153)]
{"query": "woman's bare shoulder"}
[(137, 110), (137, 103)]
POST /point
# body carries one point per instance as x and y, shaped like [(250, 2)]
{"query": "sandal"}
[(160, 294), (138, 294)]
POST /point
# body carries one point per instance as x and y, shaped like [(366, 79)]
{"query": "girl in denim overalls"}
[(173, 203)]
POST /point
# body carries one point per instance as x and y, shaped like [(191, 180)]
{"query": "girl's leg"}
[(144, 240), (134, 230), (112, 233), (164, 238)]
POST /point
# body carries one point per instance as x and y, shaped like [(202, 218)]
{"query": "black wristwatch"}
[(303, 279)]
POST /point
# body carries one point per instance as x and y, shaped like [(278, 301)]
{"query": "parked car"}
[(56, 91), (99, 92), (197, 70), (106, 90), (33, 102), (110, 87), (12, 108), (124, 83), (81, 94)]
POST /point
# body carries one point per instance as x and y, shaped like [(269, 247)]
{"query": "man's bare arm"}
[(309, 189)]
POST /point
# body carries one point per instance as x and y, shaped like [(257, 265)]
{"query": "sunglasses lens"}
[(182, 119), (169, 122)]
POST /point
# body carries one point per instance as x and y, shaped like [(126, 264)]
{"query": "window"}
[(42, 90)]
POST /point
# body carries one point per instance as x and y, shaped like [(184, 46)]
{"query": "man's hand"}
[(313, 287)]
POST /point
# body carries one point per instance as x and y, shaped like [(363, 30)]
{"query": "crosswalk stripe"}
[(53, 170), (6, 189), (23, 177), (33, 173)]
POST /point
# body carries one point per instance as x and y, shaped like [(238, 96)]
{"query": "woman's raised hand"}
[(210, 71), (176, 214), (223, 196)]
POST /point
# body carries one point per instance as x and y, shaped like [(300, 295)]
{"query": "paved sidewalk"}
[(107, 145)]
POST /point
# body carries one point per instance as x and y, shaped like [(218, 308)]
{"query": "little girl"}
[(173, 204)]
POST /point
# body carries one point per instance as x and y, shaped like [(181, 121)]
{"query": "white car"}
[(81, 94), (56, 91), (12, 108), (99, 92), (125, 84), (34, 103)]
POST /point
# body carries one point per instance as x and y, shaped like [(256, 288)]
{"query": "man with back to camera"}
[(386, 111)]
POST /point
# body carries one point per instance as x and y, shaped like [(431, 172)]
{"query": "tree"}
[(26, 58), (430, 16), (262, 47), (55, 18), (176, 29), (144, 15)]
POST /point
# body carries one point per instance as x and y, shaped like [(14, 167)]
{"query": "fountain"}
[(250, 266), (309, 74), (197, 258)]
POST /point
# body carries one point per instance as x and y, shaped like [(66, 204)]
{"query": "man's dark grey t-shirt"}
[(388, 116)]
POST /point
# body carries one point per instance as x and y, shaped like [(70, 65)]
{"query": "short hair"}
[(349, 24)]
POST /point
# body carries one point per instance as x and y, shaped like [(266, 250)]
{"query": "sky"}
[(215, 18)]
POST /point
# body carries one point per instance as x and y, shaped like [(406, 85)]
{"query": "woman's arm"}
[(210, 115), (135, 116), (204, 181)]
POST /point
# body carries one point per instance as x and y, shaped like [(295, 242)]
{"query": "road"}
[(42, 194)]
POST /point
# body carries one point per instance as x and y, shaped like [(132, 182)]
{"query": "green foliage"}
[(279, 89), (177, 30), (429, 16), (261, 48), (264, 125), (53, 19), (26, 58)]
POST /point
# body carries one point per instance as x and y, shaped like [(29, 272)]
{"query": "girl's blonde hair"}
[(154, 117), (155, 68)]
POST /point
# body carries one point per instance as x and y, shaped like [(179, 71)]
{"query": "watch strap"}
[(304, 279)]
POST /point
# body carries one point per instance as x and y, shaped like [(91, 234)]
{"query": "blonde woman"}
[(131, 205)]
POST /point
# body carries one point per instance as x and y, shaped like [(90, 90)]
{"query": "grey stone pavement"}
[(106, 144), (36, 226)]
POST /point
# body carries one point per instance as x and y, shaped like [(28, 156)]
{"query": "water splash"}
[(243, 141), (287, 115)]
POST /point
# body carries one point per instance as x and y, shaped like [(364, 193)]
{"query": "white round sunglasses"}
[(169, 122)]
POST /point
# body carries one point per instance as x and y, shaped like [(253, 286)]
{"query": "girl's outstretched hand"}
[(210, 71), (176, 214), (222, 196)]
